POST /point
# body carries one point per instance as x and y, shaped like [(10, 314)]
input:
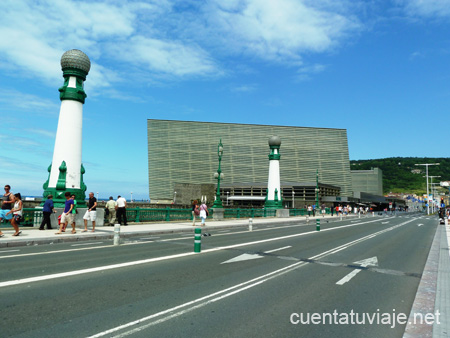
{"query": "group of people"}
[(200, 211), (116, 209), (69, 213), (11, 209)]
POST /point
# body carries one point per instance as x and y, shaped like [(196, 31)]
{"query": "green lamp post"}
[(218, 175), (317, 189)]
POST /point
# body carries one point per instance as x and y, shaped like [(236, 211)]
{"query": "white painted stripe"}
[(149, 237), (151, 260), (343, 248), (274, 250), (85, 244), (348, 277), (10, 251)]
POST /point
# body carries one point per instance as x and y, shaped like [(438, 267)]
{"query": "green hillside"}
[(400, 174)]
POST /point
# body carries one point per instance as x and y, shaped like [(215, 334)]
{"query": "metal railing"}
[(33, 217)]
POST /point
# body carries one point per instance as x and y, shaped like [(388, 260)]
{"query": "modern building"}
[(185, 152), (368, 181)]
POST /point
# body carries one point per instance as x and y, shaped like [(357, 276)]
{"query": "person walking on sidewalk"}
[(203, 213), (111, 207), (91, 212), (7, 202), (67, 216), (16, 211), (74, 212), (195, 211), (121, 210), (47, 211)]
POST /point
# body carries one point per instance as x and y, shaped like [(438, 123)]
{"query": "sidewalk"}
[(34, 236)]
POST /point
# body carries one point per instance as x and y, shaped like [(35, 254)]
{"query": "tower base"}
[(60, 190), (273, 205)]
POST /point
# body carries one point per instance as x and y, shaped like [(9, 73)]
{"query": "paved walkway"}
[(34, 236)]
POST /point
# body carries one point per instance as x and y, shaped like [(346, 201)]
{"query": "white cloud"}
[(167, 57), (13, 100), (427, 8), (279, 30)]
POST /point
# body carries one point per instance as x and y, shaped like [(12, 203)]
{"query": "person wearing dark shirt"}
[(91, 212), (47, 211), (67, 216)]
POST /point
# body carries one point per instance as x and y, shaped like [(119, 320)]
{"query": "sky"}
[(379, 69)]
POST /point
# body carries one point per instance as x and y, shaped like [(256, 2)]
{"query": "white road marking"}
[(85, 244), (157, 259), (246, 257), (419, 225), (385, 222), (373, 261), (9, 250)]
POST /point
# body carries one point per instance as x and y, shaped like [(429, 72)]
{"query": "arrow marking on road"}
[(246, 257), (373, 261), (419, 225)]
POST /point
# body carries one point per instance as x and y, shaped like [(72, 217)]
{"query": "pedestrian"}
[(314, 210), (322, 209), (309, 210), (74, 211), (7, 202), (111, 207), (332, 210), (195, 211), (91, 212), (16, 211), (47, 211), (67, 216), (121, 210), (203, 213)]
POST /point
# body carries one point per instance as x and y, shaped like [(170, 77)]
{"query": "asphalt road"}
[(271, 282)]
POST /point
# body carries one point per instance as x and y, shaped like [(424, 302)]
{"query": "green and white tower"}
[(273, 197), (66, 171)]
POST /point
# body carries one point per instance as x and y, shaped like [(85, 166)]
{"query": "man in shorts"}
[(91, 212), (67, 216)]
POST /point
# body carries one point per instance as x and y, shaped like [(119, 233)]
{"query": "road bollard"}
[(250, 224), (116, 234), (198, 240), (340, 216), (318, 224), (373, 214), (446, 221), (307, 219)]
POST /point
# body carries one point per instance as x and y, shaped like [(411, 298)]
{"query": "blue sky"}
[(379, 69)]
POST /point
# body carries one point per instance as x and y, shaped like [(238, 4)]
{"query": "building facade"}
[(368, 181), (186, 152)]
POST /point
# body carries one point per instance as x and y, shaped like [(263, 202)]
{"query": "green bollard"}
[(198, 240), (318, 224)]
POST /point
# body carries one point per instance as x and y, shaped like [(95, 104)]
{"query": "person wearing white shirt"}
[(121, 210)]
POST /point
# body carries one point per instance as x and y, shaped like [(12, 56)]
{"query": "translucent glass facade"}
[(369, 181), (186, 152)]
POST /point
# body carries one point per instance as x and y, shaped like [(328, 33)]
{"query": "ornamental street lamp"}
[(218, 175), (131, 200), (293, 193), (317, 189), (175, 197), (426, 165), (228, 196)]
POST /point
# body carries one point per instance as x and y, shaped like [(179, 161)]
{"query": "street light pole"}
[(317, 189), (428, 201), (131, 196), (293, 200), (433, 191), (218, 176)]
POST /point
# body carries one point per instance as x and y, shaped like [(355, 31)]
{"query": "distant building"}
[(184, 152), (367, 181)]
